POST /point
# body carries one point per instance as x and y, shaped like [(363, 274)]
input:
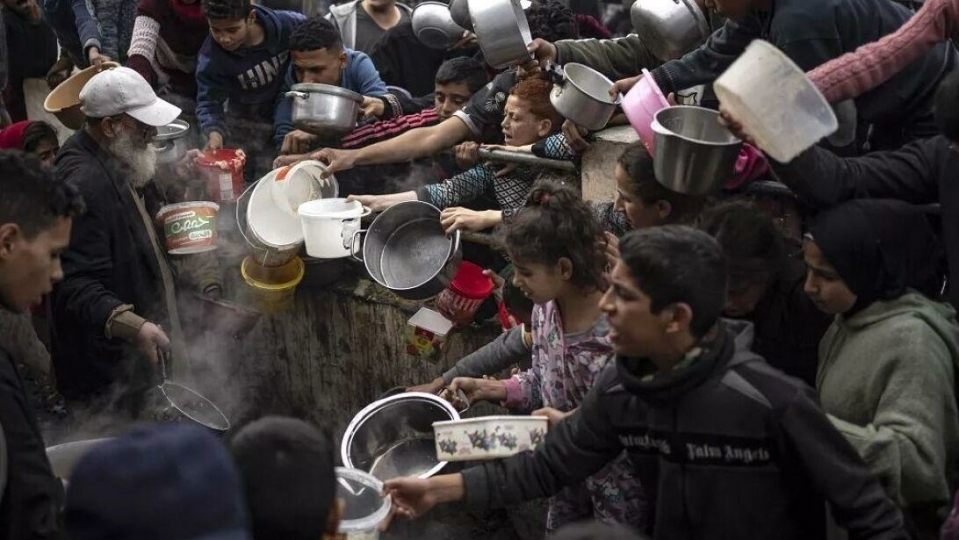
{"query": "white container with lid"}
[(365, 507)]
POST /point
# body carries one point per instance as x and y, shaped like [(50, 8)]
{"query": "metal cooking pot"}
[(695, 154), (171, 141), (502, 31), (434, 26), (322, 109), (407, 251), (670, 28), (393, 437), (581, 94), (460, 12)]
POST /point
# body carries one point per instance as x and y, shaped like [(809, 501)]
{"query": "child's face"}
[(231, 34), (321, 66), (520, 126), (634, 330), (539, 282), (639, 214), (450, 97)]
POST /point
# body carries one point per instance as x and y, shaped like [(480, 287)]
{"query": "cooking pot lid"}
[(327, 89)]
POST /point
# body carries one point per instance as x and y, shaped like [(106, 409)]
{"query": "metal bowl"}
[(695, 154), (393, 437), (502, 31), (434, 26), (322, 109), (670, 28)]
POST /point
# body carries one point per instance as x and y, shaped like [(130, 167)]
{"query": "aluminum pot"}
[(695, 154), (502, 31), (322, 109), (434, 26), (393, 436), (460, 12), (171, 141), (670, 28), (407, 251), (581, 94)]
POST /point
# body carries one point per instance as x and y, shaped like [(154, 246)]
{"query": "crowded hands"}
[(463, 219)]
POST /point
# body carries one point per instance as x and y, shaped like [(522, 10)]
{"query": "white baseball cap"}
[(122, 90)]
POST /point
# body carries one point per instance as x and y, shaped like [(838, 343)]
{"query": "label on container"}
[(226, 187)]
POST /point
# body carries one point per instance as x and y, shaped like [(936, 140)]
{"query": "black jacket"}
[(923, 172), (32, 498), (812, 32), (404, 61), (725, 448), (789, 326), (110, 262)]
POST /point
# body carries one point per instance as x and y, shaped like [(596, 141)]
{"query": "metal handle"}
[(522, 158), (353, 245), (456, 244), (300, 95), (458, 394), (162, 357), (556, 73)]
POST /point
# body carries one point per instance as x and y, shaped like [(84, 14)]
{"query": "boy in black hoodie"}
[(244, 60), (724, 445)]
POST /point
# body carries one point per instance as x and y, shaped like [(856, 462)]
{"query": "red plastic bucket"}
[(464, 295), (223, 170)]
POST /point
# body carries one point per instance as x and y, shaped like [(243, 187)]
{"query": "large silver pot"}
[(393, 437), (670, 28), (407, 251), (171, 141), (582, 96), (460, 12), (695, 154), (322, 109), (502, 31), (434, 25)]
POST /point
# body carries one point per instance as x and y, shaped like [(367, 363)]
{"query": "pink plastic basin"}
[(641, 104)]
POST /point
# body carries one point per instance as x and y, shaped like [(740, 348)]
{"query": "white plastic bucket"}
[(329, 226), (297, 184), (778, 106)]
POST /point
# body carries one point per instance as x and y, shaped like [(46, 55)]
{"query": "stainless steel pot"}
[(393, 437), (171, 141), (582, 95), (670, 28), (460, 12), (434, 26), (407, 251), (695, 154), (322, 109), (502, 31)]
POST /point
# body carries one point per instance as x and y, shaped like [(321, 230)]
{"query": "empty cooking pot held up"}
[(407, 251), (393, 437), (502, 31), (695, 154), (322, 109), (581, 95), (434, 25), (670, 28)]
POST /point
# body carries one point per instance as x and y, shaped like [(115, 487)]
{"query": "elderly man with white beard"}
[(116, 305)]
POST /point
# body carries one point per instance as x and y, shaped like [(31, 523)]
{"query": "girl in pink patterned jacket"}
[(555, 245)]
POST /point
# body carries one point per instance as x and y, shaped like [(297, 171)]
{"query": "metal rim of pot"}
[(702, 24), (424, 289), (566, 79), (357, 422), (326, 89), (677, 109), (447, 30), (575, 102), (172, 131), (497, 32)]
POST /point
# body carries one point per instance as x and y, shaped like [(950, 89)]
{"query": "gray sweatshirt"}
[(507, 349)]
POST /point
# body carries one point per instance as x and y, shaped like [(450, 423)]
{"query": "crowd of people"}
[(776, 359)]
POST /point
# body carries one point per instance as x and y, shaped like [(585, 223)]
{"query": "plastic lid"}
[(470, 281), (364, 504), (427, 319)]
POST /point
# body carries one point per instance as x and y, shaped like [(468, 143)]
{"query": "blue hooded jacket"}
[(248, 76), (359, 75), (76, 29)]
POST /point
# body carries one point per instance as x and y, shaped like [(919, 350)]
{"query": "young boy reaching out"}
[(530, 121)]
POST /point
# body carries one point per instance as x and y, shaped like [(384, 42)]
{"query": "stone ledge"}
[(599, 162)]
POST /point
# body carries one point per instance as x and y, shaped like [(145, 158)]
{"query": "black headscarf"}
[(880, 248)]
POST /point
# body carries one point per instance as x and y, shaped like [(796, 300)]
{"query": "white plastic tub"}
[(778, 106), (488, 437), (329, 226)]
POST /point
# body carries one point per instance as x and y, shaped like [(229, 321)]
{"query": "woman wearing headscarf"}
[(888, 364)]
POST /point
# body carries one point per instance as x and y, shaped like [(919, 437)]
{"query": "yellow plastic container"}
[(273, 287)]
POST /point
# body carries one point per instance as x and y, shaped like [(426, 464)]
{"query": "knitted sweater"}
[(856, 73), (887, 380), (167, 37)]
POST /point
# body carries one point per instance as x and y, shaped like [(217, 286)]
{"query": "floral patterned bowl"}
[(488, 437)]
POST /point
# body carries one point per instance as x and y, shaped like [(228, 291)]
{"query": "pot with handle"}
[(502, 31), (581, 95), (670, 28), (695, 154), (322, 109), (330, 225), (407, 251)]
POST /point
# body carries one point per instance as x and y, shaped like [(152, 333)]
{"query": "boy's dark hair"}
[(37, 132), (463, 69), (638, 164), (551, 21), (596, 530), (287, 469), (33, 197), (755, 250), (675, 264), (226, 9), (947, 107), (314, 34), (556, 223), (535, 92)]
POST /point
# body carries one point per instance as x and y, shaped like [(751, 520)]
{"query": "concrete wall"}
[(599, 162)]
